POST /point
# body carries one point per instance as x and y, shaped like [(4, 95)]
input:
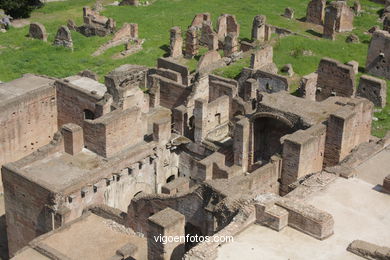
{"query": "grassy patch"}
[(20, 54)]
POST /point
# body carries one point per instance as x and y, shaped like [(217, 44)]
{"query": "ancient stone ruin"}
[(38, 31), (260, 30), (63, 38), (176, 43), (101, 169), (289, 13), (378, 57), (316, 12), (127, 35), (94, 24), (373, 89), (192, 43), (338, 18), (334, 79), (386, 23)]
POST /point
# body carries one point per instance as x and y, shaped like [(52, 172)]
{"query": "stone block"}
[(73, 138), (368, 250), (166, 222), (272, 216), (307, 218), (175, 186)]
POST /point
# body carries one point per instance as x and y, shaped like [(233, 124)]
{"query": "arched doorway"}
[(267, 131)]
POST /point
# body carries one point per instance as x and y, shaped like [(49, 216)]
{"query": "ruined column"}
[(73, 138), (199, 19), (206, 31), (162, 131), (168, 223), (259, 28), (241, 143), (230, 44), (250, 87), (213, 42), (227, 23), (386, 23), (330, 23), (176, 42), (316, 12), (192, 43), (200, 115)]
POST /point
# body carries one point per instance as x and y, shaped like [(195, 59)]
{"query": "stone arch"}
[(267, 130)]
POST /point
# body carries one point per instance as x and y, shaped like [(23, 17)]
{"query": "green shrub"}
[(19, 8)]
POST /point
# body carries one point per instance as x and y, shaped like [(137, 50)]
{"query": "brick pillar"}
[(241, 143), (200, 114), (162, 131), (167, 222), (73, 138)]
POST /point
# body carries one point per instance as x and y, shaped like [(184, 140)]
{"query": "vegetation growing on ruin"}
[(19, 54)]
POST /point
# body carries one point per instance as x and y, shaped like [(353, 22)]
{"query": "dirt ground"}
[(3, 233)]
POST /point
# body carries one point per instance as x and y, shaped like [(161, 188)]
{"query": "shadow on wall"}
[(3, 238)]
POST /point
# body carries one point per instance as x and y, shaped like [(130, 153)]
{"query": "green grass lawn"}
[(19, 54)]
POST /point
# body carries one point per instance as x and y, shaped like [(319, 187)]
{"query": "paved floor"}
[(375, 169), (359, 212)]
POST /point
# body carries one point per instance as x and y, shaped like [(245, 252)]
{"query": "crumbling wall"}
[(112, 132), (26, 213), (227, 23), (303, 154), (308, 86), (22, 119), (267, 82), (378, 56), (72, 109), (316, 11), (163, 63), (374, 89), (27, 204), (219, 86), (334, 79), (209, 116), (167, 93), (192, 205), (94, 24), (340, 140)]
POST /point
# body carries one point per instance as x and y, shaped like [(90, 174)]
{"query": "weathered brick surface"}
[(23, 114), (316, 11), (374, 89), (378, 56), (334, 79), (307, 218), (38, 31), (167, 222)]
